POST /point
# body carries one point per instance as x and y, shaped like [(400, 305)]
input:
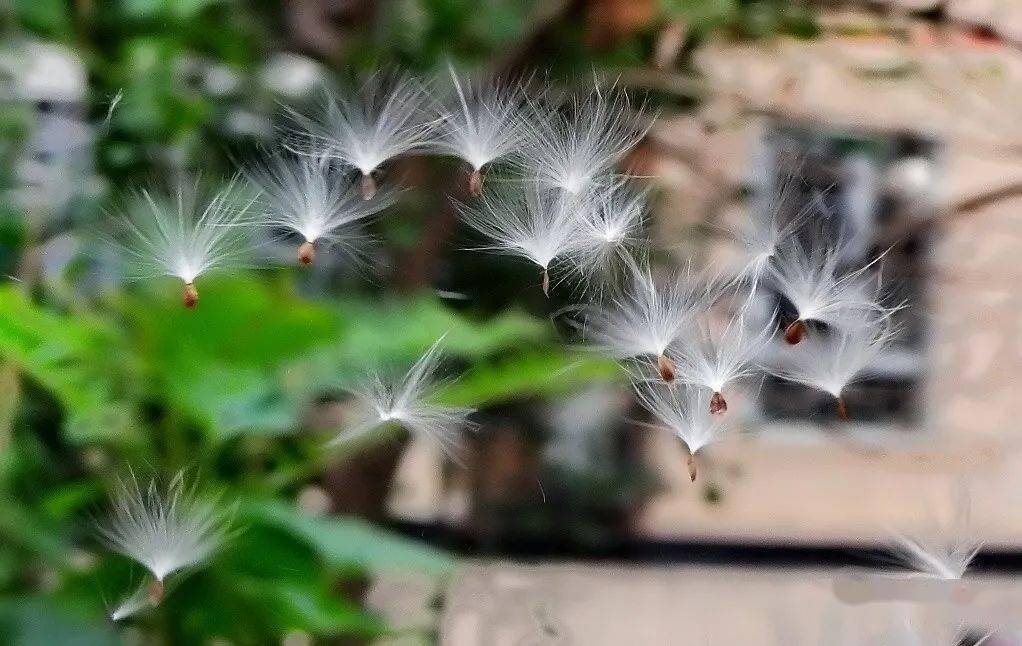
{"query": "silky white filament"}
[(164, 530), (184, 235), (715, 360), (574, 148), (409, 402), (611, 225), (833, 361), (303, 194), (535, 224), (641, 317), (684, 410), (481, 125), (363, 128)]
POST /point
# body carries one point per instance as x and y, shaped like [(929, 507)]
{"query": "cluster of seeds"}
[(686, 337)]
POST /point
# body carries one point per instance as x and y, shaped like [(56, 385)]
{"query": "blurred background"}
[(569, 521)]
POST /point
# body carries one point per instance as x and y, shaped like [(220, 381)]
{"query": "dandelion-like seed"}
[(571, 149), (302, 195), (685, 410), (409, 402), (947, 553), (843, 357), (538, 225), (382, 119), (481, 127), (163, 530), (642, 317), (811, 281), (713, 361), (185, 236), (611, 224)]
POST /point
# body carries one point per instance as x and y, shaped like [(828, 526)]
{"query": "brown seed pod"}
[(155, 593), (718, 404), (475, 183), (546, 283), (668, 371), (794, 333), (306, 253), (191, 296), (368, 187), (842, 409), (692, 467)]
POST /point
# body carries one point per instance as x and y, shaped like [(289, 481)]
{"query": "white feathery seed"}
[(538, 225), (186, 234), (833, 361), (819, 291), (611, 225), (305, 195), (642, 317), (716, 360), (482, 124), (685, 410), (948, 549), (574, 148), (164, 530), (764, 234), (408, 401), (384, 118)]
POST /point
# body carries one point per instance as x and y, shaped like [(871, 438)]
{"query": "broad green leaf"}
[(540, 372), (76, 358)]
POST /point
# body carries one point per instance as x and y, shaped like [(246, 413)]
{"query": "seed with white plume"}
[(938, 559), (481, 126), (819, 291), (685, 410), (611, 224), (538, 225), (949, 548), (304, 195), (383, 118), (185, 235), (164, 530), (573, 148), (833, 361), (715, 360), (642, 317), (764, 234), (408, 401)]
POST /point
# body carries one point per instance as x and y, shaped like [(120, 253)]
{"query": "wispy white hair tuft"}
[(408, 401), (363, 128), (611, 225), (482, 124), (685, 410), (305, 195), (812, 281), (574, 147), (641, 317), (715, 360), (841, 357), (186, 233), (164, 530), (535, 224)]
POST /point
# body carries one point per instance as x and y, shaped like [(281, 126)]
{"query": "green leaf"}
[(702, 14), (541, 372), (76, 358), (345, 542)]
